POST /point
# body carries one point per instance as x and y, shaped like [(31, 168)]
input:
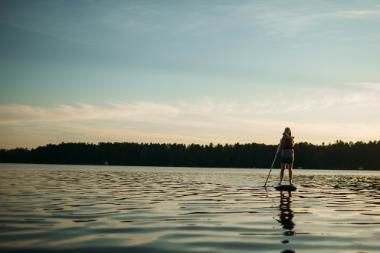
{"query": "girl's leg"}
[(282, 172), (290, 168)]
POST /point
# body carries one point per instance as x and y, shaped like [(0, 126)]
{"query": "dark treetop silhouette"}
[(339, 155)]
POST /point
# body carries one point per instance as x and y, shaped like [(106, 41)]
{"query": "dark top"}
[(287, 146)]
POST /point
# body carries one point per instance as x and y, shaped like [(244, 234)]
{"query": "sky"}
[(188, 71)]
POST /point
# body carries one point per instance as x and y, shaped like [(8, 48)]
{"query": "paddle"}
[(274, 160)]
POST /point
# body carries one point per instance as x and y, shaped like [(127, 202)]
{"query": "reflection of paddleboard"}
[(285, 187)]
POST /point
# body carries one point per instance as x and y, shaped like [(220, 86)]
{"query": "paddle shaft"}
[(274, 160)]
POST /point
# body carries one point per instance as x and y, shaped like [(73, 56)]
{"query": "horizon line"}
[(189, 144)]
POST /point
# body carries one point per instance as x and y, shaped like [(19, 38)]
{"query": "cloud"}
[(16, 113), (306, 101), (364, 13), (285, 21), (368, 86), (325, 114)]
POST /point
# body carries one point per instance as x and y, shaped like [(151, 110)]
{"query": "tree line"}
[(338, 155)]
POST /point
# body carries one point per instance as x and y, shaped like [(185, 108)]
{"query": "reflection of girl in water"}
[(286, 213)]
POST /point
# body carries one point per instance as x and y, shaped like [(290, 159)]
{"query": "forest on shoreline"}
[(338, 155)]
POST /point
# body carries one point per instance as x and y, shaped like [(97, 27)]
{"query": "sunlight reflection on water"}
[(144, 209)]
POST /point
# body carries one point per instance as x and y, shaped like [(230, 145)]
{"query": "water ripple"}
[(94, 209)]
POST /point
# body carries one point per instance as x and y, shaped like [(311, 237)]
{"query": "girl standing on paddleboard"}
[(287, 154)]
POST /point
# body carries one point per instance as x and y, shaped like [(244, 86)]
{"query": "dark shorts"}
[(287, 160)]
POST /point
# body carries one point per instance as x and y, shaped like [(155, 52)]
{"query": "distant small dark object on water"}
[(285, 187)]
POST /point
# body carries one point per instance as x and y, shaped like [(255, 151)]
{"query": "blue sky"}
[(188, 71)]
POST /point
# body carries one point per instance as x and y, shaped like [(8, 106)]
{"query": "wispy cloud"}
[(16, 113), (364, 13), (316, 115), (302, 102), (281, 20), (369, 86)]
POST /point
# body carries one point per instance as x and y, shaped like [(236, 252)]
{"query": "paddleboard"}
[(285, 187)]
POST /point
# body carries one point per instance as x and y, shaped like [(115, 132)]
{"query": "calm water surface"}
[(147, 209)]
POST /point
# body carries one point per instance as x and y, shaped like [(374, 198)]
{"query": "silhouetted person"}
[(287, 154)]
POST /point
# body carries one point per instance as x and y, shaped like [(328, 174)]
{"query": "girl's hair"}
[(288, 131)]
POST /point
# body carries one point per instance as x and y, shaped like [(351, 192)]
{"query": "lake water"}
[(148, 209)]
